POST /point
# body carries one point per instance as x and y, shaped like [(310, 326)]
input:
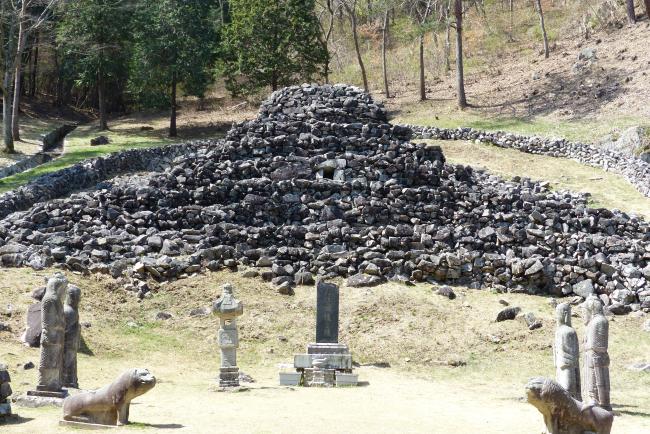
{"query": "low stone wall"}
[(25, 164), (89, 172), (54, 139), (634, 170)]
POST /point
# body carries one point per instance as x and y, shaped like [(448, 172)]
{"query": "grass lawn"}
[(444, 114)]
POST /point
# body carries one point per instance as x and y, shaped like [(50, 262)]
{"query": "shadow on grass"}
[(618, 411), (83, 347), (156, 425), (14, 419)]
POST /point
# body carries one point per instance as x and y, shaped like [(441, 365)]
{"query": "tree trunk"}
[(353, 19), (448, 38), (541, 22), (631, 15), (7, 82), (423, 91), (172, 121), (647, 8), (511, 11), (101, 97), (18, 73), (34, 69), (274, 81), (460, 76), (383, 53), (8, 136), (328, 35)]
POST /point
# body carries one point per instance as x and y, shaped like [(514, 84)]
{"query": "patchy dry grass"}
[(444, 114), (416, 332), (607, 189), (140, 130)]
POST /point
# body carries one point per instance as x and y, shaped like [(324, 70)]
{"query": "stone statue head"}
[(73, 296), (592, 306), (563, 314), (56, 286)]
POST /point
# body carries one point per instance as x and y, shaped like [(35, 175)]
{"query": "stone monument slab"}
[(327, 312)]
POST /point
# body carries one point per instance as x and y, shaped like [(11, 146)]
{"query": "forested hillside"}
[(511, 59)]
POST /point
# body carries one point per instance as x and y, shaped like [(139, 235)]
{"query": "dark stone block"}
[(327, 312)]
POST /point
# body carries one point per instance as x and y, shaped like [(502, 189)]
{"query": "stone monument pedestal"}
[(229, 377), (324, 363), (327, 362), (5, 409), (48, 393)]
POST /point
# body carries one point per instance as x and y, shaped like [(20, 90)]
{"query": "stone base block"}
[(290, 378), (48, 393), (38, 401), (5, 409), (346, 380), (229, 377), (320, 348), (83, 425), (332, 361), (314, 377)]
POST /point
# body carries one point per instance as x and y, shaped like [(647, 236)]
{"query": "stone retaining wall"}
[(90, 172), (25, 164), (634, 170)]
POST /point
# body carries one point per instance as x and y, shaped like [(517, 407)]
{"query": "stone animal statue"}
[(110, 404), (564, 414)]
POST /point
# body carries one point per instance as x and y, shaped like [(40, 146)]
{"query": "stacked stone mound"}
[(340, 104), (300, 192)]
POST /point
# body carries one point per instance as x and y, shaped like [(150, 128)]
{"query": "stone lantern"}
[(228, 308)]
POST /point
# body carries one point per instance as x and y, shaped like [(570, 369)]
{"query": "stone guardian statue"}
[(566, 352), (111, 404), (50, 371), (72, 337), (564, 414), (596, 384), (228, 308)]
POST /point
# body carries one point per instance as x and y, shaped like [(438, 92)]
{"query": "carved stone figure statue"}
[(562, 413), (228, 308), (5, 391), (566, 352), (596, 369), (72, 337), (52, 338), (109, 405)]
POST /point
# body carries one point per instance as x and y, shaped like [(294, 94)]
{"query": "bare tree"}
[(421, 10), (631, 15), (460, 75), (647, 7), (350, 7), (538, 5), (328, 7), (511, 13), (8, 39), (384, 31), (26, 24), (448, 35)]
